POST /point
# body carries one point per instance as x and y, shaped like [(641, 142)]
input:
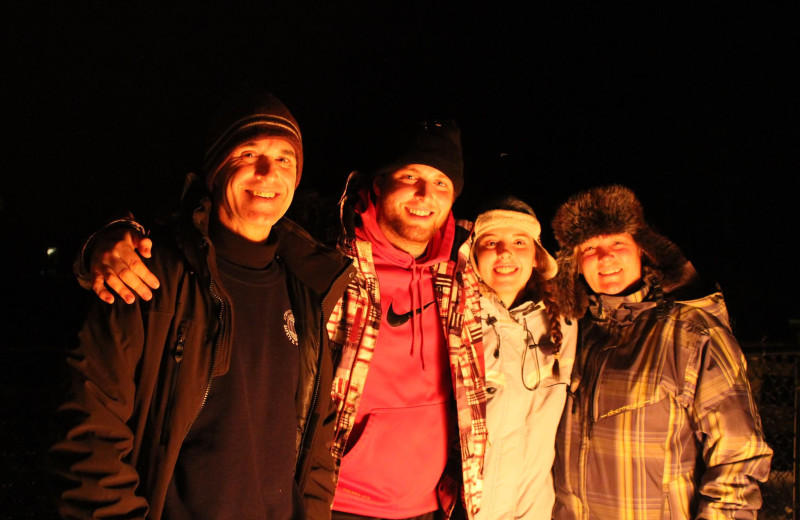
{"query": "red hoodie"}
[(397, 451)]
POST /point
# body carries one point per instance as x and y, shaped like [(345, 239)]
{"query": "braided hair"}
[(541, 289)]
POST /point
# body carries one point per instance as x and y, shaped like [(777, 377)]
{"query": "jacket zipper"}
[(589, 413), (177, 356), (213, 355), (315, 395), (583, 454), (318, 377)]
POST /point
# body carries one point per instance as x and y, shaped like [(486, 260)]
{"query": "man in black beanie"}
[(410, 432), (210, 397)]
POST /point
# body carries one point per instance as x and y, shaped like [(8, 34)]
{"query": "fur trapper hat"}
[(610, 210)]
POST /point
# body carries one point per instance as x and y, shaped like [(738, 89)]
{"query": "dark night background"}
[(694, 106)]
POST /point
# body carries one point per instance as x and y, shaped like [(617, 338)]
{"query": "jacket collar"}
[(623, 308)]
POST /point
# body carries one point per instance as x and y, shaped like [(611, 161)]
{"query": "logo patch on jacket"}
[(288, 326)]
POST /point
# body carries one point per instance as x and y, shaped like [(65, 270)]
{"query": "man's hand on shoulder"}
[(115, 264)]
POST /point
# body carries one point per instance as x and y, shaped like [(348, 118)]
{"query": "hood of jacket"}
[(625, 309)]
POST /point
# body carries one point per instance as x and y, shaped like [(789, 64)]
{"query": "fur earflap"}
[(609, 210), (570, 291)]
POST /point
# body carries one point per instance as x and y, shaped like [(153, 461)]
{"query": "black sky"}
[(694, 107)]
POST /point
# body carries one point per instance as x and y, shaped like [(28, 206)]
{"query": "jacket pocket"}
[(625, 389), (401, 453)]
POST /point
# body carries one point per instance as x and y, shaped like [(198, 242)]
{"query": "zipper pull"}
[(180, 345)]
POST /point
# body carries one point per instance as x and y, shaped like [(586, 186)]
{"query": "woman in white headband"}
[(529, 350)]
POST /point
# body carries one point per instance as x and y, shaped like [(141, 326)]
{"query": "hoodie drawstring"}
[(415, 290)]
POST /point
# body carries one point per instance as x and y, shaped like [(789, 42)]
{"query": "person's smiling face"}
[(258, 188), (412, 204), (611, 264), (506, 258)]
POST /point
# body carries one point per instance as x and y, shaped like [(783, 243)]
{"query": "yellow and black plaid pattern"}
[(660, 421)]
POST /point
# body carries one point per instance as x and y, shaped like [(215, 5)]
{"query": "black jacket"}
[(141, 373)]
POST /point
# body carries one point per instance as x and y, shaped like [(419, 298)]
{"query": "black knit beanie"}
[(433, 142), (249, 114)]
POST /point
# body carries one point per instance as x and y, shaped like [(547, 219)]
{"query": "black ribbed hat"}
[(432, 142)]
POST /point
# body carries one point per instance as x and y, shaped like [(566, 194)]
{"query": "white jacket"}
[(522, 423)]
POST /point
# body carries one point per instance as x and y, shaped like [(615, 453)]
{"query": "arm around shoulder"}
[(110, 260)]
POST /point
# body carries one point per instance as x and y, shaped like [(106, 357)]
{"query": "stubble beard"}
[(418, 235)]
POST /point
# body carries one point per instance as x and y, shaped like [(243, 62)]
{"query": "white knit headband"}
[(502, 218)]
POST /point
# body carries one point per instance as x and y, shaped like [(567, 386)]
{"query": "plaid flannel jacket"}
[(660, 421), (353, 329)]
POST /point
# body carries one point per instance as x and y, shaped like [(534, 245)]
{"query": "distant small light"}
[(52, 251)]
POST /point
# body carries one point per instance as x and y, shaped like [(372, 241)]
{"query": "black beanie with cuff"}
[(433, 142)]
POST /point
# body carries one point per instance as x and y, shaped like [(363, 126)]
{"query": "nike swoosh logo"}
[(395, 320)]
